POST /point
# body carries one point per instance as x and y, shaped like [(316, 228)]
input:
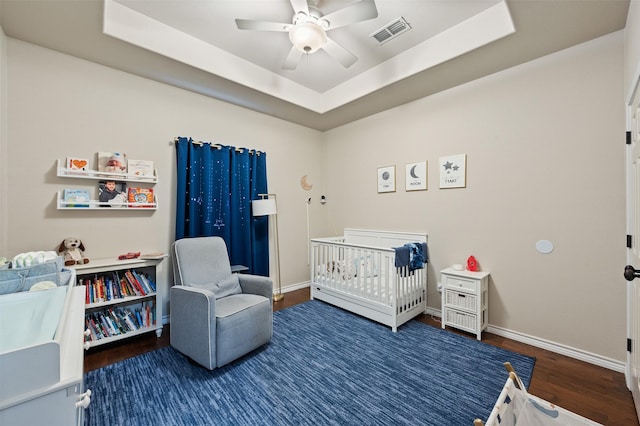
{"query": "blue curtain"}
[(215, 186)]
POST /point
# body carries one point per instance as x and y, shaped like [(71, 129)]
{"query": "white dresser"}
[(41, 357), (465, 300)]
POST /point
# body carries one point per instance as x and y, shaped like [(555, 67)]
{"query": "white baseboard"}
[(558, 348), (295, 287), (591, 358)]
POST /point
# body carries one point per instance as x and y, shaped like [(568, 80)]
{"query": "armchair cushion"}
[(223, 288), (247, 315)]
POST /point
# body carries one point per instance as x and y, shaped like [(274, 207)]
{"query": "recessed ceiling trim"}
[(486, 27), (138, 29)]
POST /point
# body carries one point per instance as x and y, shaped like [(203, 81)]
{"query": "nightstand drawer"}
[(459, 283), (461, 300), (462, 320)]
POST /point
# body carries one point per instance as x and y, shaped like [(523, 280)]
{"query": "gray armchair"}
[(216, 316)]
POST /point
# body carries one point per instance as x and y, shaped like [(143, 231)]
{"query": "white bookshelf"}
[(87, 273)]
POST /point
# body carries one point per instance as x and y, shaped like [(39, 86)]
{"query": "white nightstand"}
[(465, 300)]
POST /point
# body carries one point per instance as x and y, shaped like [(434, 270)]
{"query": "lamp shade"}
[(264, 207), (307, 37)]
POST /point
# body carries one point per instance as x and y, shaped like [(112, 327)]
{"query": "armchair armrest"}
[(193, 323), (256, 284)]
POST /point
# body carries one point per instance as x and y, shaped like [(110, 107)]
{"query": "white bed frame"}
[(357, 272)]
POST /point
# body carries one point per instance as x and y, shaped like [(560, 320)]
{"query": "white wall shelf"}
[(97, 205), (97, 175)]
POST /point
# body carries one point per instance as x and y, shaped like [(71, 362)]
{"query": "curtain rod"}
[(216, 146)]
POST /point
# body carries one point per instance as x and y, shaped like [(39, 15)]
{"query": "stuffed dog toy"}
[(72, 250)]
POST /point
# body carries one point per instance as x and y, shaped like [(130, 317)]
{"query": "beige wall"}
[(62, 106), (545, 160)]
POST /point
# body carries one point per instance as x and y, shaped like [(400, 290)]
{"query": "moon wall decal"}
[(413, 172), (304, 184)]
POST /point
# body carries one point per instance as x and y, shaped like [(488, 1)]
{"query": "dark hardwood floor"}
[(593, 392)]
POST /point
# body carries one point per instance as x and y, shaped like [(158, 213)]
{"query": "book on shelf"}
[(140, 168), (116, 321), (140, 197), (153, 256), (111, 286), (87, 326), (149, 283), (76, 197), (141, 282), (129, 320), (77, 165), (112, 162), (133, 284)]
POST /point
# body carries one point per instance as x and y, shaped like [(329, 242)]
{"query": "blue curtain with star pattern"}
[(215, 186)]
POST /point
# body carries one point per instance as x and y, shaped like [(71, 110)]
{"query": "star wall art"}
[(416, 176), (453, 171)]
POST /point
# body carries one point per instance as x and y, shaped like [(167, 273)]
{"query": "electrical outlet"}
[(440, 287)]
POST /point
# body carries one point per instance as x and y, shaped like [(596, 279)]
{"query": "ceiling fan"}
[(308, 30)]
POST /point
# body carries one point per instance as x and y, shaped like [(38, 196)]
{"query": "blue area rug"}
[(324, 366)]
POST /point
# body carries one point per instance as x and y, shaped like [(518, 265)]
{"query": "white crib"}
[(357, 272)]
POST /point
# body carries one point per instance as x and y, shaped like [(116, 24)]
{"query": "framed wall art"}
[(453, 171), (387, 179), (416, 176)]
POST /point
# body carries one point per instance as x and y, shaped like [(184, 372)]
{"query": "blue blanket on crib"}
[(413, 255)]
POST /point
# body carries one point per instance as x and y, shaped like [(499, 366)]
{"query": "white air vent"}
[(391, 30)]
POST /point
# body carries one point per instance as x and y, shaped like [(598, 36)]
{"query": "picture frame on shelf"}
[(453, 171), (387, 179), (112, 194), (112, 162), (140, 197), (76, 164), (77, 198), (416, 176), (140, 168)]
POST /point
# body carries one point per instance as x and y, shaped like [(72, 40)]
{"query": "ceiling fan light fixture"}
[(307, 37)]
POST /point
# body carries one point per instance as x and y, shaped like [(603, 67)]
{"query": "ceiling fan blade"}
[(339, 53), (292, 59), (248, 24), (360, 11), (300, 6)]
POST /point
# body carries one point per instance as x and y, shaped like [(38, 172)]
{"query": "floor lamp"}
[(266, 206)]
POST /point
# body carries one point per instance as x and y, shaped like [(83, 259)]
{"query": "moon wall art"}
[(416, 176), (305, 184)]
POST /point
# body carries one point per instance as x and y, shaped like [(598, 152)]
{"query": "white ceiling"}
[(195, 44)]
